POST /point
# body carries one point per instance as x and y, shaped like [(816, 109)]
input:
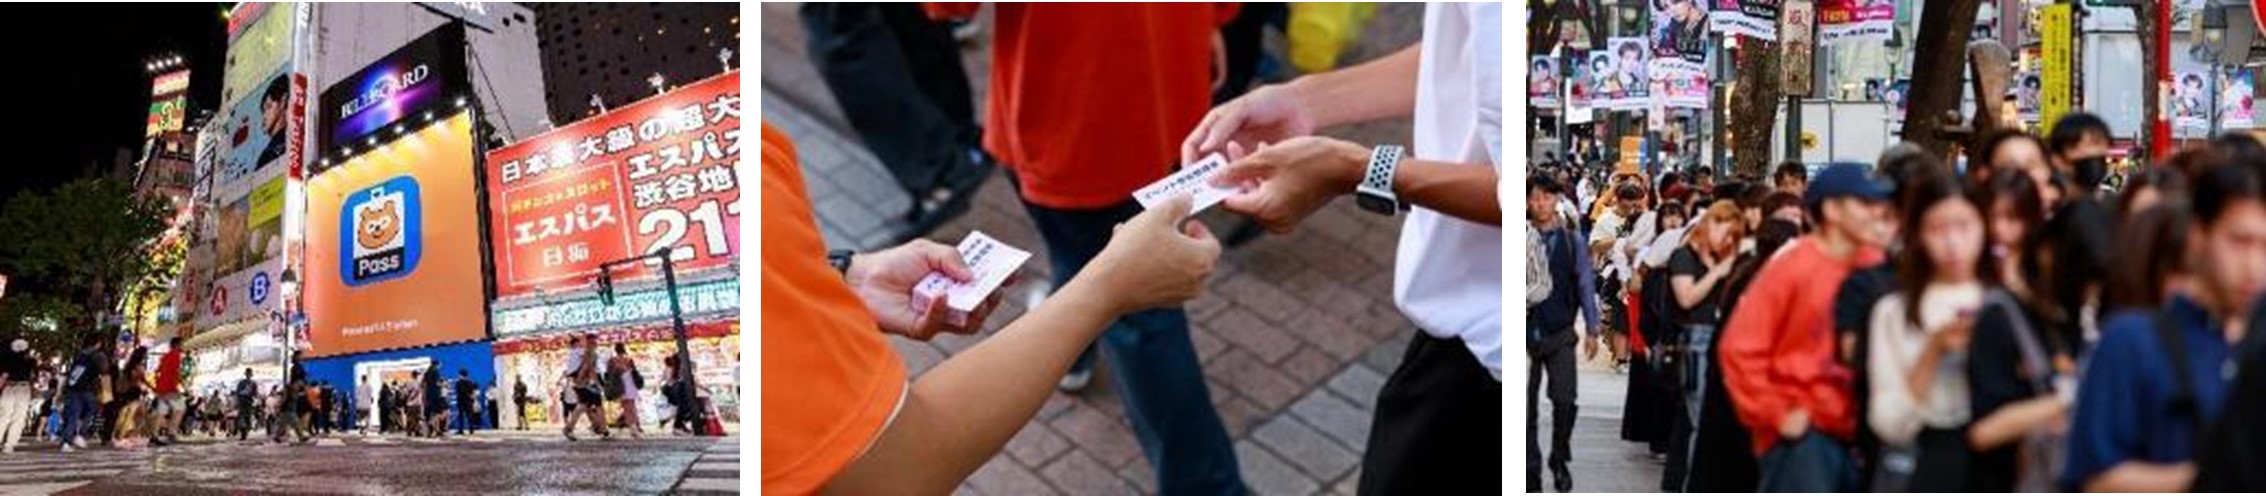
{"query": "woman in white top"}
[(1916, 364)]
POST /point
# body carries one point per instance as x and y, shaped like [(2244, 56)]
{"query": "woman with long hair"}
[(1698, 273), (1919, 335), (133, 382)]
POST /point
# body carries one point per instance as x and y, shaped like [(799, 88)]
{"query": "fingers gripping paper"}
[(1195, 179), (989, 260)]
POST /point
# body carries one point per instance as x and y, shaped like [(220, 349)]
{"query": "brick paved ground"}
[(1296, 335)]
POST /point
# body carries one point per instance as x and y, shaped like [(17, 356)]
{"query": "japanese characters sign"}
[(168, 102), (1756, 18), (657, 175), (1856, 20)]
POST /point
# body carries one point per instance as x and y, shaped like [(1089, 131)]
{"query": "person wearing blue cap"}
[(1779, 353)]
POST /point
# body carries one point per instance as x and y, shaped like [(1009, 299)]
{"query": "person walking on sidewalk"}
[(520, 400), (17, 370), (627, 381), (132, 389), (169, 407), (247, 393), (584, 398), (85, 383), (435, 415), (1438, 415), (467, 406), (1778, 350), (1551, 333)]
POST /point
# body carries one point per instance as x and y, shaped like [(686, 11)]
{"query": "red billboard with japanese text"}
[(657, 175)]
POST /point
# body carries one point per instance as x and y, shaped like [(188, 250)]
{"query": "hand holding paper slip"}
[(1195, 179), (991, 262)]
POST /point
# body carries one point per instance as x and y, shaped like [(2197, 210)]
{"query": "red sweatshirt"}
[(1778, 348), (1089, 101)]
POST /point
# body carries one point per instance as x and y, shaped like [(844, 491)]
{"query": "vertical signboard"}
[(2054, 59), (393, 246), (168, 102), (1795, 27)]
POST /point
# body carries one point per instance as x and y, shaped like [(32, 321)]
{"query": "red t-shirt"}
[(1089, 101), (1778, 348), (169, 372)]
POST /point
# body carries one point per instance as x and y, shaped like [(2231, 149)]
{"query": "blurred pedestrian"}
[(2157, 378), (1698, 275), (17, 369), (1918, 339), (467, 403), (169, 407), (1779, 352), (1551, 334), (627, 381), (583, 397)]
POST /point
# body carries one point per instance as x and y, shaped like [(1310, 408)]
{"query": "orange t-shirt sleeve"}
[(830, 380)]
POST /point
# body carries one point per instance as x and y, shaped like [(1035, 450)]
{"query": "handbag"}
[(2041, 451)]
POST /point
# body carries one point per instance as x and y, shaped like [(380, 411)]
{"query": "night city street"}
[(400, 248)]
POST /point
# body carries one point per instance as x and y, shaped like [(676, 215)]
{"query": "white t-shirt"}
[(1448, 277)]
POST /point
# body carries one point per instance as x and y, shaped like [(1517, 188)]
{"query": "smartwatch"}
[(840, 259), (1375, 193)]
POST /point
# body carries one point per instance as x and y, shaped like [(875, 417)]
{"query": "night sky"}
[(77, 89)]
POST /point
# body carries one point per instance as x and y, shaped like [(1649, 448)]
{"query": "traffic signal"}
[(606, 287)]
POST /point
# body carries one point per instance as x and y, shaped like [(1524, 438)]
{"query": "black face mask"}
[(2090, 172)]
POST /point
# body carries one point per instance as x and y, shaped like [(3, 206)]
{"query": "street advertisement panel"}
[(168, 105), (1542, 82), (2027, 94), (1756, 18), (393, 247), (244, 227), (2055, 58), (1680, 44), (2191, 105), (653, 176), (1856, 20), (1896, 95), (1620, 75), (1583, 83), (2235, 98), (260, 43), (1798, 47), (422, 77)]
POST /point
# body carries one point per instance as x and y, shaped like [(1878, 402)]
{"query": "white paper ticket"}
[(991, 262), (1194, 179)]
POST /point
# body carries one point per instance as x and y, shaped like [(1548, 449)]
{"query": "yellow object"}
[(1320, 31)]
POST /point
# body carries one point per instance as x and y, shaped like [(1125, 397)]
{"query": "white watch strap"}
[(1378, 179)]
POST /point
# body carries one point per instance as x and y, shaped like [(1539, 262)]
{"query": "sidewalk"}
[(1296, 334), (1602, 462)]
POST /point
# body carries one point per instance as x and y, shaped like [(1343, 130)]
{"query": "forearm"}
[(2143, 477), (1465, 191), (1377, 89), (2009, 423), (959, 414)]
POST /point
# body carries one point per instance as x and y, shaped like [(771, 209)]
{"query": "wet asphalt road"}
[(484, 464)]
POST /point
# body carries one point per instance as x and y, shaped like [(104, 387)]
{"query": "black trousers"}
[(899, 80), (1438, 425), (1553, 358)]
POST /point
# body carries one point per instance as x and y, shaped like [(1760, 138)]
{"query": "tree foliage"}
[(83, 243)]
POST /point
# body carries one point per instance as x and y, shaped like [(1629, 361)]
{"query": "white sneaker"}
[(66, 447)]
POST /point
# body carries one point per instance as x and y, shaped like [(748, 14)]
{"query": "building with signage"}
[(610, 50), (263, 272), (653, 176)]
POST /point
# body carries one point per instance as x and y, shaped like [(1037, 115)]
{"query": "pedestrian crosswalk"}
[(716, 471), (27, 472)]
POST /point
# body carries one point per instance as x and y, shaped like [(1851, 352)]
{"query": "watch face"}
[(1374, 203)]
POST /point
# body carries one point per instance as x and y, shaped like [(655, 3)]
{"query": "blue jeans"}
[(1156, 372), (78, 413), (1813, 464)]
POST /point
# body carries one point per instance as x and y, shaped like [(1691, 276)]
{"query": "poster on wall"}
[(1756, 18), (2027, 85), (2235, 98), (1856, 20), (2191, 104), (1542, 88), (1680, 44), (1581, 83), (1622, 79), (658, 175), (242, 233), (1896, 95), (393, 246)]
